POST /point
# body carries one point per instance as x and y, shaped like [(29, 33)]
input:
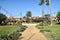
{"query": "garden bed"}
[(8, 31)]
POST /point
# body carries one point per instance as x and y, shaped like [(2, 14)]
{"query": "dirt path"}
[(32, 33)]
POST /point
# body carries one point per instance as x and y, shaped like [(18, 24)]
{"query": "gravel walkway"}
[(32, 33)]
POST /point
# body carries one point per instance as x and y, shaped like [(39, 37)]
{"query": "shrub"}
[(48, 30), (2, 18), (14, 35), (58, 23), (31, 20), (22, 28), (40, 27), (42, 30)]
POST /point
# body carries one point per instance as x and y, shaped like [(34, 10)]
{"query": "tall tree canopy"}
[(2, 18), (28, 14)]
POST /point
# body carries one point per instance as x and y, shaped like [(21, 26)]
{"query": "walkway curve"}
[(32, 33)]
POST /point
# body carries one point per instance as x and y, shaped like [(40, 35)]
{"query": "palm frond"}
[(41, 2), (47, 2)]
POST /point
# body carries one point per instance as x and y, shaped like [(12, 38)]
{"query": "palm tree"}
[(47, 4), (41, 4)]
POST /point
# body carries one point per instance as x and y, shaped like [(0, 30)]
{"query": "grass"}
[(52, 32), (7, 29), (55, 34), (54, 28)]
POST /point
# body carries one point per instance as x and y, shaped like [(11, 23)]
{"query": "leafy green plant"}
[(42, 30), (8, 32), (22, 28)]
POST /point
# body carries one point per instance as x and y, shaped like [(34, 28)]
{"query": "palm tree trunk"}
[(42, 14), (51, 17), (48, 4), (50, 14), (42, 11)]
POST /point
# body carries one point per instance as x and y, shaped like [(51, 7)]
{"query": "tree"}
[(7, 20), (2, 18), (47, 17), (58, 16), (24, 16), (28, 14), (41, 3), (47, 2)]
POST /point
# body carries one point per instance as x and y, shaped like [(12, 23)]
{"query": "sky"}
[(16, 7)]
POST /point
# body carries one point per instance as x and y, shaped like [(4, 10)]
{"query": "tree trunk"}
[(42, 14), (51, 17)]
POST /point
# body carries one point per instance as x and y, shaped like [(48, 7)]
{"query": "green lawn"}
[(53, 32), (54, 28), (7, 29), (56, 31)]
